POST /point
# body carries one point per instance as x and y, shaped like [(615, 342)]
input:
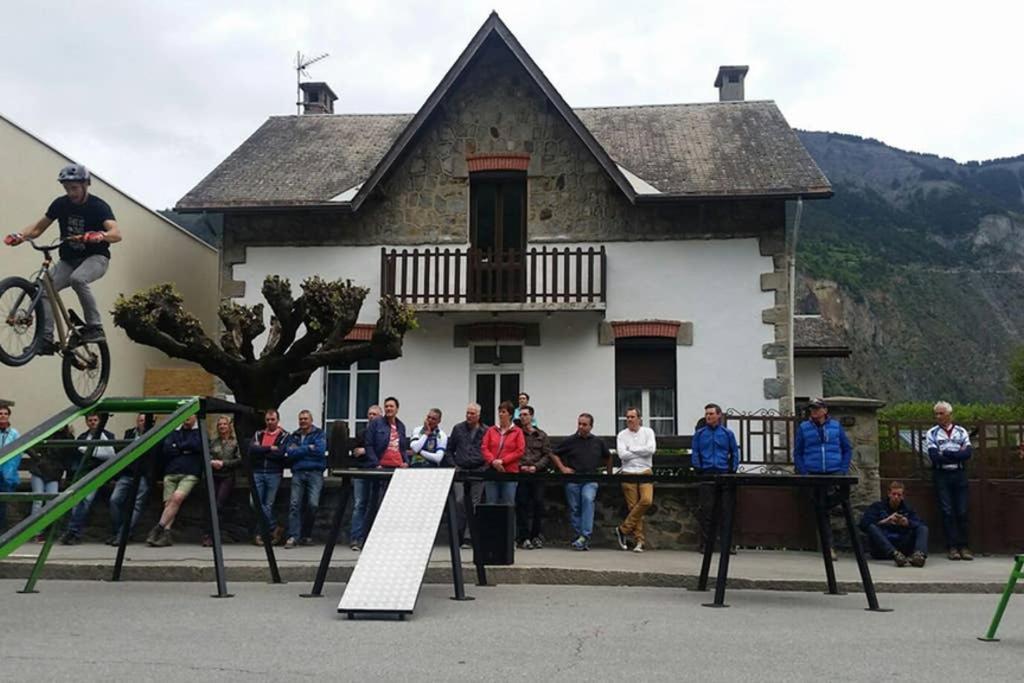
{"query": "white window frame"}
[(354, 420), (476, 369)]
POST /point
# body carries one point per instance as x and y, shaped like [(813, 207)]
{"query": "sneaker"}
[(899, 559), (154, 534), (954, 554), (620, 538), (39, 538), (257, 540), (115, 541), (46, 347), (290, 543), (207, 541), (163, 540), (526, 544), (918, 559), (91, 333), (356, 546), (306, 540), (538, 542), (70, 539), (580, 543), (111, 540), (639, 547), (832, 552), (966, 554), (277, 537)]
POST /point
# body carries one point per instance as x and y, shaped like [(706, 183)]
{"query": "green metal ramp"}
[(179, 410)]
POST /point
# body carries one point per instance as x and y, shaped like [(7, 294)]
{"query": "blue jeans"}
[(80, 515), (882, 547), (122, 487), (580, 498), (40, 485), (364, 501), (266, 491), (500, 492), (307, 485), (952, 491)]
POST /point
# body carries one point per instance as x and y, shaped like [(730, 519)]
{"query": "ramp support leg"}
[(264, 527), (990, 635), (452, 518), (211, 496), (332, 540)]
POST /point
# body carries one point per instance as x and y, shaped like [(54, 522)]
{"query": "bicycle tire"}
[(29, 351), (68, 370)]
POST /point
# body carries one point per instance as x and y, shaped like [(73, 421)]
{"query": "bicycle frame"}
[(61, 318)]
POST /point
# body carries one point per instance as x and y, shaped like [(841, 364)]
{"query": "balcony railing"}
[(544, 277)]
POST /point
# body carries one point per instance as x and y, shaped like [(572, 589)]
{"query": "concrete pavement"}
[(750, 569)]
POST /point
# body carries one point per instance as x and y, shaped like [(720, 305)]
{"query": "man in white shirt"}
[(428, 441), (635, 445)]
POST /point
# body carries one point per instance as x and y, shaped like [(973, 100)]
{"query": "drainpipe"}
[(791, 257)]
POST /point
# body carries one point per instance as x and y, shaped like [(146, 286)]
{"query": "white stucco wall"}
[(808, 378), (715, 284)]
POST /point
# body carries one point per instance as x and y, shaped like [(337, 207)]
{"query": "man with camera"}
[(894, 530)]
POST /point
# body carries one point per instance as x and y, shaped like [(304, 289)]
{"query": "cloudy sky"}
[(152, 95)]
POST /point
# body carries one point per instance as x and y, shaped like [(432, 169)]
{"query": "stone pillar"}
[(859, 418)]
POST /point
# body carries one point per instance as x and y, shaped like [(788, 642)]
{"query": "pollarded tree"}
[(306, 333)]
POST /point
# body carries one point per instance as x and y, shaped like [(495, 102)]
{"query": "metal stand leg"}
[(858, 551), (474, 530), (821, 517), (261, 521), (709, 541), (127, 510), (332, 540), (211, 496), (44, 552), (728, 515), (990, 635), (451, 515)]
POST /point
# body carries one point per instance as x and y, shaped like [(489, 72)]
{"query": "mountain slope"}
[(921, 260)]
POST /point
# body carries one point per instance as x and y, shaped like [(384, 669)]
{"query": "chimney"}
[(730, 83), (317, 98)]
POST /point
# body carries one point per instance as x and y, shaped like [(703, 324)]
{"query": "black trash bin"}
[(497, 542)]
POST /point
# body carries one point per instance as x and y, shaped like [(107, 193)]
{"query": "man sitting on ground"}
[(894, 530), (183, 457)]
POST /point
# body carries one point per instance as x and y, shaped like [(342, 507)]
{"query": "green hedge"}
[(964, 412)]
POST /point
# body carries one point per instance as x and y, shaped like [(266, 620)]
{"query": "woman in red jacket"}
[(503, 446)]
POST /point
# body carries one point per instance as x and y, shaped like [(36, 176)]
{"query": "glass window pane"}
[(513, 227), (337, 396), (485, 386), (511, 355), (509, 387), (367, 392), (627, 398), (484, 196), (664, 427), (662, 403), (485, 355)]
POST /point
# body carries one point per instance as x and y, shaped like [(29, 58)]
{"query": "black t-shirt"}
[(585, 455), (77, 219)]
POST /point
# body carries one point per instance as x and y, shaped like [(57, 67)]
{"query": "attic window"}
[(314, 96), (734, 78)]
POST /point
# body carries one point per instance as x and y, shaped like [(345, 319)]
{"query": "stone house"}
[(595, 258)]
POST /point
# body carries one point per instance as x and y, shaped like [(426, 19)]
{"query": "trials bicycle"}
[(85, 364)]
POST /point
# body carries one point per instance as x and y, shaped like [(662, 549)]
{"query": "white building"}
[(595, 258)]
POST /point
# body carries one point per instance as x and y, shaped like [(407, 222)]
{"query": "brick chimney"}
[(730, 83), (317, 98)]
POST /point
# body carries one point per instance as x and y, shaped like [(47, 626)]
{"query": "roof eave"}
[(345, 207), (822, 352), (663, 198)]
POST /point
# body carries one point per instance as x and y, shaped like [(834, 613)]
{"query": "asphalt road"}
[(88, 631)]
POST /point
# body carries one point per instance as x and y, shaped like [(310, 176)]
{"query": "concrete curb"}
[(303, 576)]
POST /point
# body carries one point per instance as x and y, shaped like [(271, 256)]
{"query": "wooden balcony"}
[(535, 279)]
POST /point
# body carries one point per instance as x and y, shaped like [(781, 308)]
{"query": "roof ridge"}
[(674, 104), (346, 114)]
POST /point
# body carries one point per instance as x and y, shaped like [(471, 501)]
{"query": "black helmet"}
[(74, 173)]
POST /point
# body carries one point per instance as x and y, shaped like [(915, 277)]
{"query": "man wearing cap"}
[(87, 228), (822, 447)]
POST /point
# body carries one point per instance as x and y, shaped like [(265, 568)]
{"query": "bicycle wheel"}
[(21, 321), (85, 370)]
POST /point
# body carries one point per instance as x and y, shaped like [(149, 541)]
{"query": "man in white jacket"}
[(428, 442), (635, 445)]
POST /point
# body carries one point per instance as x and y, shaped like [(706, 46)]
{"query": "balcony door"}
[(497, 263)]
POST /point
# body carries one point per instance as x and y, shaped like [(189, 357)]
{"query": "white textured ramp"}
[(390, 568)]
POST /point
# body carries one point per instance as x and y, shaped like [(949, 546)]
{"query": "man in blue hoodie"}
[(714, 451), (183, 465), (306, 454), (822, 447), (894, 530)]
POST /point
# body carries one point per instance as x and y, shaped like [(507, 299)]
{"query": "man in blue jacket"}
[(894, 530), (822, 447), (9, 477), (714, 451), (183, 465), (306, 453)]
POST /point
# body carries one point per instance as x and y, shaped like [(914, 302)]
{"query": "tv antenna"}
[(301, 62)]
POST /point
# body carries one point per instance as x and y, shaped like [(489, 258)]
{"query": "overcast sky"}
[(153, 95)]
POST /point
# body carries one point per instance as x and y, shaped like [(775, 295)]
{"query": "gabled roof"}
[(814, 336), (495, 27), (654, 153)]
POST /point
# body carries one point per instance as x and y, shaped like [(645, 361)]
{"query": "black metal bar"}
[(858, 552), (332, 540), (128, 511), (452, 518), (211, 497), (821, 516), (474, 531), (264, 526), (709, 540), (74, 443), (728, 516)]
